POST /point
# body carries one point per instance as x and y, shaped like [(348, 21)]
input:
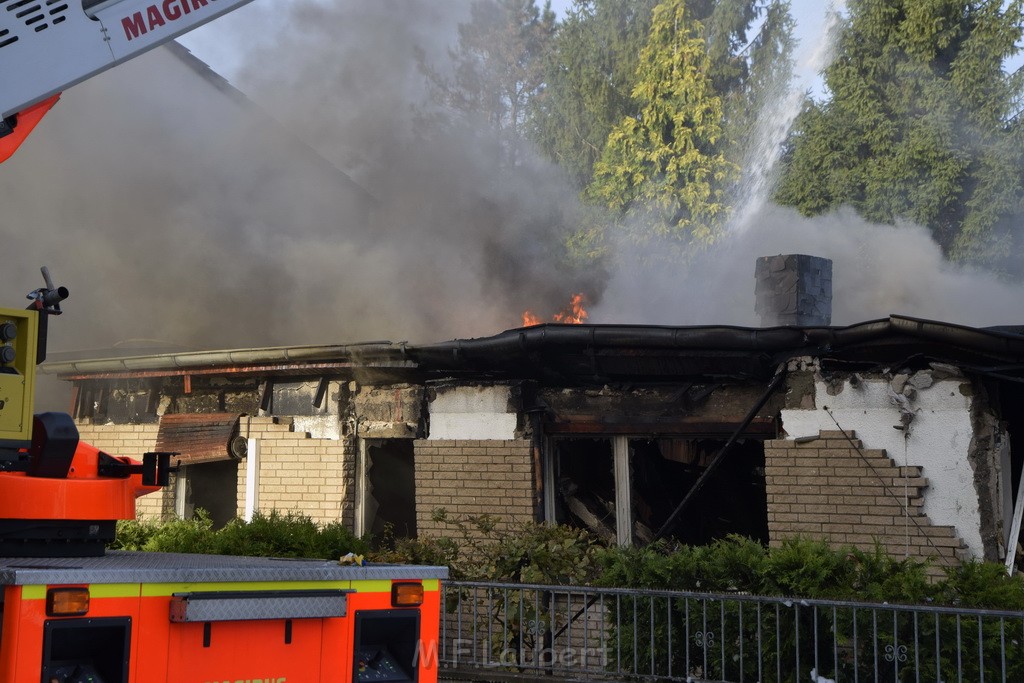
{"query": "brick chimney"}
[(793, 289)]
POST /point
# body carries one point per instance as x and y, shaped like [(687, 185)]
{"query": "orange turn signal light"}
[(67, 602), (406, 594)]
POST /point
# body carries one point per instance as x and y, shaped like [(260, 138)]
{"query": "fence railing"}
[(517, 630)]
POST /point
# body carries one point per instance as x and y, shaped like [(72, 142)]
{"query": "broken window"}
[(732, 501), (630, 503), (389, 489), (211, 486), (585, 484)]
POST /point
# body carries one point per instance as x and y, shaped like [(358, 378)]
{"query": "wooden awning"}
[(199, 437)]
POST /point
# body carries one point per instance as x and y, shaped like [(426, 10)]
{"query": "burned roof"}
[(602, 354)]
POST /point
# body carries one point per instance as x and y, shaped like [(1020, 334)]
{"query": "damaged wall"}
[(313, 405), (296, 471), (927, 420), (140, 401), (300, 473), (472, 412), (473, 462), (831, 487), (387, 412)]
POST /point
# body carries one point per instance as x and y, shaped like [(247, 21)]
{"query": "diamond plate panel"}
[(246, 606), (139, 567)]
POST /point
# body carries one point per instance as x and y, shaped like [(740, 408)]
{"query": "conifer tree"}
[(920, 125), (589, 79), (497, 68), (592, 71), (664, 169)]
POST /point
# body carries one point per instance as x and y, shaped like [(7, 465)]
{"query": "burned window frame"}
[(623, 467)]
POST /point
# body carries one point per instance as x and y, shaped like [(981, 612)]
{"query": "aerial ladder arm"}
[(47, 46)]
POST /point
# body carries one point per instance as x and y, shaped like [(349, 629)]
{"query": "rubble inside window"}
[(585, 478), (661, 472)]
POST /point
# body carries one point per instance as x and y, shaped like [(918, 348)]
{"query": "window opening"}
[(212, 486), (585, 484), (660, 473), (390, 488), (1011, 403), (733, 501)]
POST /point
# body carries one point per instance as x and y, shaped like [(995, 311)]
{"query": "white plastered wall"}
[(938, 440), (472, 413)]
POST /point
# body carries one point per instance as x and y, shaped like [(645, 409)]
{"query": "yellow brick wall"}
[(472, 478), (832, 488), (297, 473)]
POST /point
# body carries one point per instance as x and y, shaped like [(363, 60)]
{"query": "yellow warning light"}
[(67, 602), (407, 594)]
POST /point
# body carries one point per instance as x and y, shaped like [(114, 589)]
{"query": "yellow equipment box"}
[(18, 339)]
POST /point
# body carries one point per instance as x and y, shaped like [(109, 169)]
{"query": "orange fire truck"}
[(75, 613)]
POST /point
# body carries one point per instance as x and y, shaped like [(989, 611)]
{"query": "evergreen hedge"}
[(482, 550)]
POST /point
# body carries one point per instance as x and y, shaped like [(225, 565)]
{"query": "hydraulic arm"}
[(47, 46)]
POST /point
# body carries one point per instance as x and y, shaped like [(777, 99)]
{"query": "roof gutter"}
[(282, 355), (512, 345)]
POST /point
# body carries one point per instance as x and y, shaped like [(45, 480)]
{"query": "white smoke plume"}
[(877, 270)]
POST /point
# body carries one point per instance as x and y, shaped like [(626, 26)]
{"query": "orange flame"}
[(529, 319), (573, 314)]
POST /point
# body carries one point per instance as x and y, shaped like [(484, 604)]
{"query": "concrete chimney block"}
[(793, 289)]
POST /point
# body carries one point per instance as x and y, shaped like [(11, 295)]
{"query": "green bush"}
[(801, 568), (287, 535), (483, 550), (177, 536), (983, 585), (480, 549), (438, 552), (133, 534), (271, 535)]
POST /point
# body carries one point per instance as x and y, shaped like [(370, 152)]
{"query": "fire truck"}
[(73, 612)]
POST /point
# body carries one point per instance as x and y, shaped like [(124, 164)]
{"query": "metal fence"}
[(503, 630)]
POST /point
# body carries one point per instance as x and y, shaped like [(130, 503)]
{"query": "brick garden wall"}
[(831, 488), (473, 478)]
